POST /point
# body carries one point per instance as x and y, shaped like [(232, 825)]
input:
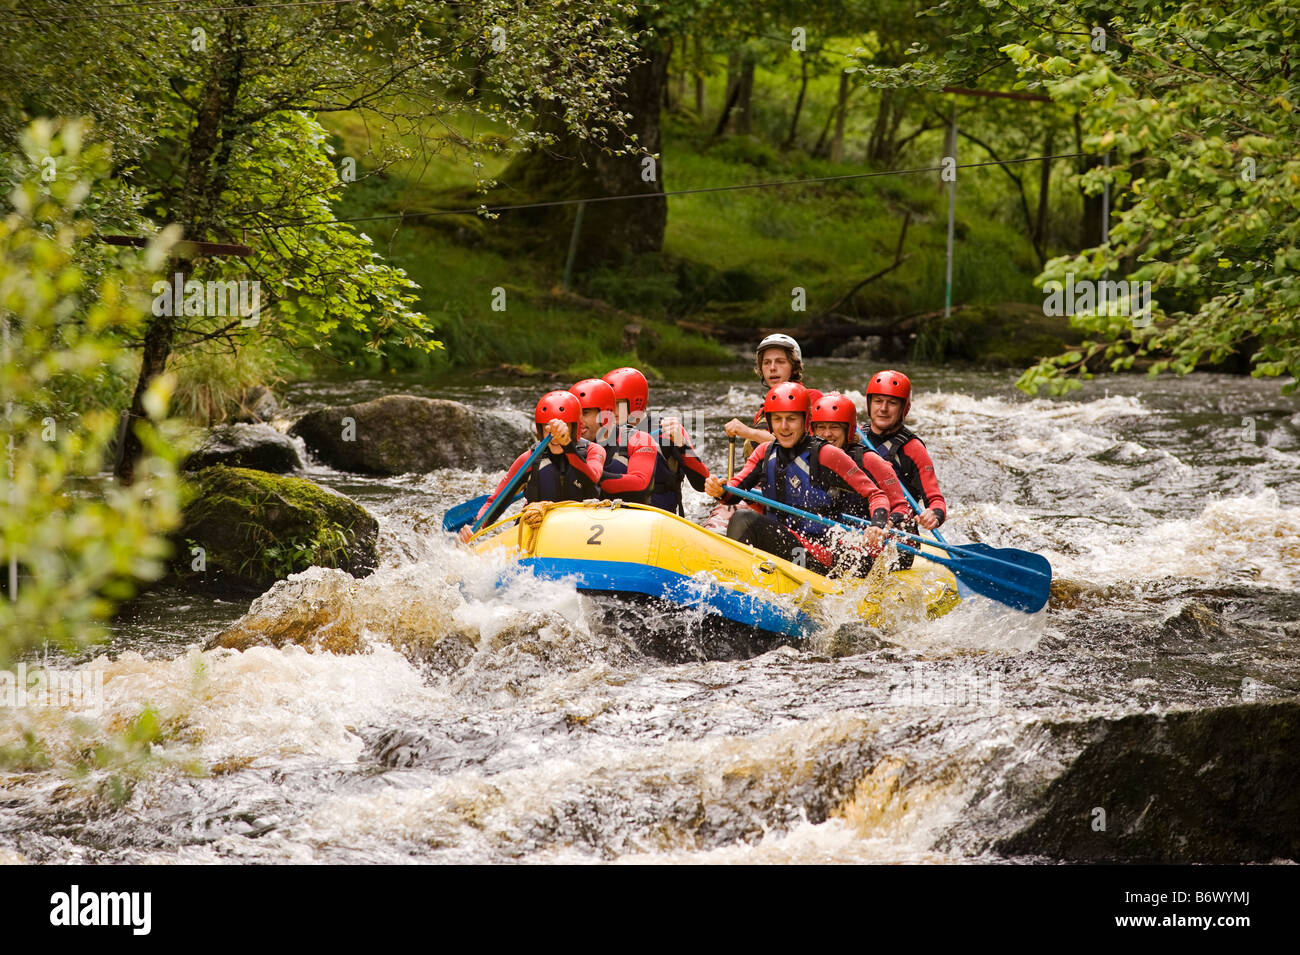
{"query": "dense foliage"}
[(1194, 105)]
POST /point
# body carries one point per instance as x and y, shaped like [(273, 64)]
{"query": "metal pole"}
[(1105, 205), (9, 469), (573, 245), (952, 210), (1105, 213)]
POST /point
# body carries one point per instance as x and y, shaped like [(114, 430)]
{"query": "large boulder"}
[(402, 433), (242, 530), (256, 446), (1200, 786)]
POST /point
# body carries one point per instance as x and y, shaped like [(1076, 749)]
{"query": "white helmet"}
[(780, 341)]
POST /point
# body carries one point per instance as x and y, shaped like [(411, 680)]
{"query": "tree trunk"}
[(574, 168), (679, 93), (1044, 189), (798, 103), (732, 95), (876, 142), (841, 108), (700, 76), (1090, 226), (205, 178), (743, 113)]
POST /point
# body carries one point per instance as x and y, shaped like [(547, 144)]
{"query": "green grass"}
[(729, 257)]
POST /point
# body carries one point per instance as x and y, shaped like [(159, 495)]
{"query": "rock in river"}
[(257, 446), (1214, 785), (242, 530), (397, 434)]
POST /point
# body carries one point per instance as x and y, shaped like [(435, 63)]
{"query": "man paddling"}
[(568, 471), (802, 470)]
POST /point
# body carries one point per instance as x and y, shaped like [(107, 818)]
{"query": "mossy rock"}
[(255, 528)]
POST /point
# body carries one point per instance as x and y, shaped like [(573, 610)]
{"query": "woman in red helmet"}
[(647, 457), (569, 470), (889, 398), (834, 419), (802, 470)]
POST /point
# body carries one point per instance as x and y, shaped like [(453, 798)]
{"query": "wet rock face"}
[(403, 433), (256, 446), (1205, 786), (255, 528)]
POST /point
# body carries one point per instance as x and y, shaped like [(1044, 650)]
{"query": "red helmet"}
[(559, 404), (892, 383), (629, 385), (836, 408), (594, 393), (788, 396)]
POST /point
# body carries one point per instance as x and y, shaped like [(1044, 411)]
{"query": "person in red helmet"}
[(889, 398), (596, 398), (834, 419), (802, 470), (569, 470), (647, 457)]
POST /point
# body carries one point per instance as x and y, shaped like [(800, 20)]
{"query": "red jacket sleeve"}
[(594, 466), (887, 480), (514, 468), (839, 462), (915, 450), (641, 456)]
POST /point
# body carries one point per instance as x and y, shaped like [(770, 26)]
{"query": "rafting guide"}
[(77, 908)]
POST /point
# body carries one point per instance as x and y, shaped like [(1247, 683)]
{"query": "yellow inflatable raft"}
[(612, 547)]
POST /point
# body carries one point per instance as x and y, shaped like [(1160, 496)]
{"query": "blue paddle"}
[(465, 512), (1008, 556), (1018, 587), (504, 500)]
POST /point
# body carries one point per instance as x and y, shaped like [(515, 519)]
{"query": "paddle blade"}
[(463, 514), (1035, 563), (1017, 586)]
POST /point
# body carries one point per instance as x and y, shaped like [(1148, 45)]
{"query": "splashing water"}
[(452, 707)]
